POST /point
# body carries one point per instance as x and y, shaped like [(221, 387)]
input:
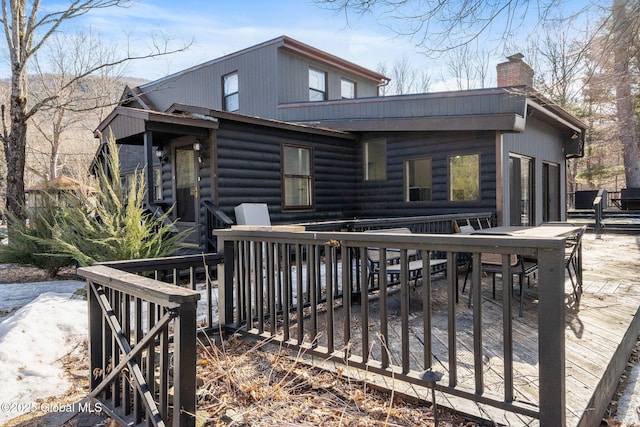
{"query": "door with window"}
[(521, 194), (186, 185), (550, 192)]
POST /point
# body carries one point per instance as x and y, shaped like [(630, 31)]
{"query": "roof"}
[(502, 109), (60, 183), (128, 124)]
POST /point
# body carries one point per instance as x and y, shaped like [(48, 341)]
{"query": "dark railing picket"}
[(346, 273)]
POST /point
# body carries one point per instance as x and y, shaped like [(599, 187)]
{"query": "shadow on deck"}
[(601, 330)]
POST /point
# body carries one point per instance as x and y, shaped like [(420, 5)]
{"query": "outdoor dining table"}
[(572, 232)]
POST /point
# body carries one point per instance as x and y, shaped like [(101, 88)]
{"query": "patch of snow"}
[(16, 295), (32, 342), (629, 403)]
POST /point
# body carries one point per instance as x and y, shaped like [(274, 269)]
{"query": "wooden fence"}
[(296, 288)]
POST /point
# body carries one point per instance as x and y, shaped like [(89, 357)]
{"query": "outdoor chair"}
[(571, 261), (571, 258), (522, 267), (392, 261)]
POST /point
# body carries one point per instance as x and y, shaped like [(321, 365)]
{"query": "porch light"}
[(161, 154), (196, 146)]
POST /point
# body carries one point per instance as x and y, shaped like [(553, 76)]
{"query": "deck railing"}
[(296, 288), (137, 372), (188, 271), (435, 224)]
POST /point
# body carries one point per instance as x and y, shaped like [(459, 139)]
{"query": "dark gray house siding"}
[(249, 171), (270, 73), (202, 85), (386, 198), (293, 80)]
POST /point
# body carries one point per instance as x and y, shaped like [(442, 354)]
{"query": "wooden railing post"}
[(95, 335), (225, 289), (184, 371), (551, 336)]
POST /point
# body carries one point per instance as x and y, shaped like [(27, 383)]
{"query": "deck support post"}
[(551, 333)]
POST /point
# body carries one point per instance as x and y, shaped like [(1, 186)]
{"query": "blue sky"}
[(219, 27)]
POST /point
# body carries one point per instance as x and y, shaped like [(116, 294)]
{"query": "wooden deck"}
[(601, 331)]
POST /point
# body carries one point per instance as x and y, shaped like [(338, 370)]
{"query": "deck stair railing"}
[(292, 288), (214, 219), (142, 347)]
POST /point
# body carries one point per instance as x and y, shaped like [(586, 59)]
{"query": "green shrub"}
[(28, 242), (110, 224)]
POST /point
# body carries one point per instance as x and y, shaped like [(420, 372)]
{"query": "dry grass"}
[(245, 385)]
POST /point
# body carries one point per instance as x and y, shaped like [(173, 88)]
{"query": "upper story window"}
[(230, 92), (347, 89), (297, 177), (417, 180), (464, 178), (317, 85), (375, 160)]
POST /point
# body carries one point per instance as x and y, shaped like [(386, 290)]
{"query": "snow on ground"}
[(32, 342), (629, 402)]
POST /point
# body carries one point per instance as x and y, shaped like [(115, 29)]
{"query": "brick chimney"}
[(514, 72)]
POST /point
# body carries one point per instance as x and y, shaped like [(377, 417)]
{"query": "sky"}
[(214, 28), (217, 28)]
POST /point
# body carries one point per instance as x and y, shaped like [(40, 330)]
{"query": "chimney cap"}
[(515, 57)]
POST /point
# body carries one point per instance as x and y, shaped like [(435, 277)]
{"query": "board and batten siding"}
[(543, 143), (249, 171), (385, 198), (293, 79), (202, 85)]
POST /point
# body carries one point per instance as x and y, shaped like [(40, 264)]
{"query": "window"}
[(230, 91), (297, 179), (375, 160), (521, 194), (550, 192), (157, 184), (317, 85), (417, 180), (347, 89), (464, 178)]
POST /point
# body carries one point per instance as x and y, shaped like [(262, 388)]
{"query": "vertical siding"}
[(202, 86), (249, 171), (293, 79), (386, 198), (543, 143)]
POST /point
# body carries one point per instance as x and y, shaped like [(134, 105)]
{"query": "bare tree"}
[(405, 79), (469, 69), (626, 19), (67, 55), (27, 30), (438, 26)]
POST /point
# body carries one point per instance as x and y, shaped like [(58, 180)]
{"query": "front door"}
[(186, 186)]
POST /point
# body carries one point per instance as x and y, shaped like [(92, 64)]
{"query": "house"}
[(305, 132), (55, 187)]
